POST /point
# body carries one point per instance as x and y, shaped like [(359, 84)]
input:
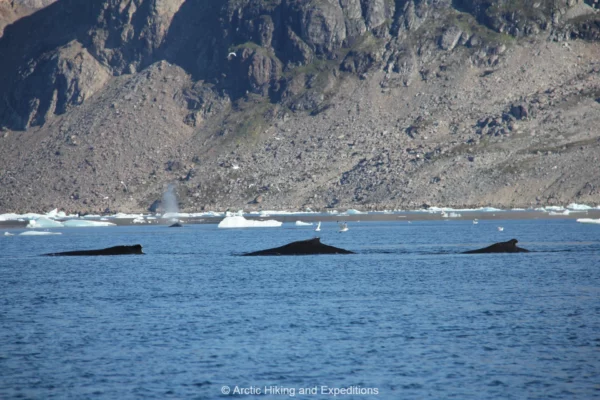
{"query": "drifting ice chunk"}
[(139, 220), (589, 221), (8, 234), (300, 223), (43, 222), (38, 233), (238, 221), (74, 223)]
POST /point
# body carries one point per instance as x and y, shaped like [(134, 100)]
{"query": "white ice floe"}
[(551, 208), (566, 212), (237, 221), (43, 222), (301, 223), (91, 216), (451, 215), (578, 207), (176, 215), (75, 223), (57, 214), (126, 216), (19, 217), (39, 233), (588, 220), (8, 234), (352, 211), (434, 209), (139, 220)]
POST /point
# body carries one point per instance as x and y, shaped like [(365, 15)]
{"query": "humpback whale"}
[(176, 225), (300, 248), (502, 247), (110, 251)]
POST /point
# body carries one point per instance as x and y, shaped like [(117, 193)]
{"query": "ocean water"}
[(408, 317)]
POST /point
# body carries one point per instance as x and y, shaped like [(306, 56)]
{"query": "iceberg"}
[(139, 220), (38, 233), (588, 221), (52, 214), (8, 234), (237, 221), (43, 222), (74, 223), (300, 223)]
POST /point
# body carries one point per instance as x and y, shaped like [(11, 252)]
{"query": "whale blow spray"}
[(169, 201)]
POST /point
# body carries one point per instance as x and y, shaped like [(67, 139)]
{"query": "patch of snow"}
[(237, 221)]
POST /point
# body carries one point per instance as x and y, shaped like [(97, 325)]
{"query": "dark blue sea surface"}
[(408, 317)]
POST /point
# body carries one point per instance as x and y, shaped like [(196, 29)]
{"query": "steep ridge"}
[(300, 103), (13, 10)]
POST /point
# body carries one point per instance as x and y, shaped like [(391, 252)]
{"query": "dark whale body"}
[(176, 225), (502, 247), (301, 248), (110, 251)]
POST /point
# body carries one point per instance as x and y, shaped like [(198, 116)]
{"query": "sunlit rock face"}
[(298, 103)]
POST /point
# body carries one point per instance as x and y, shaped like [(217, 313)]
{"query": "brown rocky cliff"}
[(361, 103)]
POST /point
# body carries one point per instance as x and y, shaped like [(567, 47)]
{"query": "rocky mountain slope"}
[(300, 103), (13, 10)]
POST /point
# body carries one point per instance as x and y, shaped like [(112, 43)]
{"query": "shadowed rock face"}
[(110, 251), (502, 247), (301, 248)]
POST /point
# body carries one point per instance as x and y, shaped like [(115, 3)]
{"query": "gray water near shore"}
[(407, 315)]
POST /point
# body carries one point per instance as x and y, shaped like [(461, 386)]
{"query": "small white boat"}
[(318, 229), (343, 227), (500, 228)]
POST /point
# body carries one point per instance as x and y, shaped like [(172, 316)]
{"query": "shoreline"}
[(400, 216)]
